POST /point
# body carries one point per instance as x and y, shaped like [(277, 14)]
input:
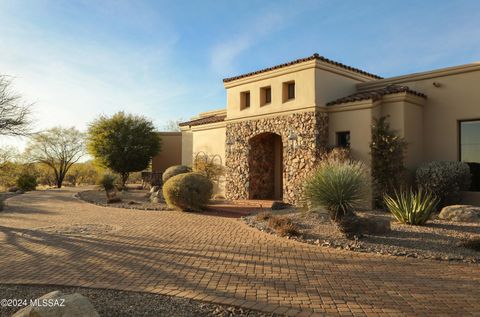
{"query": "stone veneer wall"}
[(312, 130)]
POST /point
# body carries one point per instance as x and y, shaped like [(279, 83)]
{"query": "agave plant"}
[(410, 207)]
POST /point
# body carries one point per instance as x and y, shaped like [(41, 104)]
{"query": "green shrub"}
[(413, 208), (187, 191), (175, 170), (108, 181), (27, 182), (444, 179), (388, 153), (337, 186)]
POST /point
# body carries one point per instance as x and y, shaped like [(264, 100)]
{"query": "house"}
[(279, 120)]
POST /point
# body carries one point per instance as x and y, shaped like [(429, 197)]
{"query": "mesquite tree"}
[(14, 115), (58, 148), (124, 143)]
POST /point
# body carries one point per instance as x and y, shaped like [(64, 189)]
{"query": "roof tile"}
[(375, 94)]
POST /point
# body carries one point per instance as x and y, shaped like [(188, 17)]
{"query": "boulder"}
[(13, 189), (375, 225), (57, 304), (157, 197), (460, 213)]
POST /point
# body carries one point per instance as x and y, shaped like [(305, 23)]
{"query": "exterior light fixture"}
[(293, 139), (229, 144)]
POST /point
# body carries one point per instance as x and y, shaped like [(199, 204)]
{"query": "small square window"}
[(245, 100), (265, 96), (343, 139), (291, 91), (288, 92)]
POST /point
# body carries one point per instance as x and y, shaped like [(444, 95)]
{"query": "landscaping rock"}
[(279, 205), (154, 189), (13, 189), (460, 213), (56, 304), (157, 197), (19, 192), (373, 226)]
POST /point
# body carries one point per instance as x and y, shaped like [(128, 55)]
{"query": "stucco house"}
[(278, 121)]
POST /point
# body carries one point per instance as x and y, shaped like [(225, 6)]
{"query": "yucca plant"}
[(410, 207), (337, 186)]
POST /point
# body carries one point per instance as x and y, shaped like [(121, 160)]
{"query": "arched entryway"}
[(265, 161)]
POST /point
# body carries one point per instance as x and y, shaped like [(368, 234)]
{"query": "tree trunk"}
[(124, 177)]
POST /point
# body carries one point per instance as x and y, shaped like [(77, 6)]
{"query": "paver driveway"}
[(220, 260)]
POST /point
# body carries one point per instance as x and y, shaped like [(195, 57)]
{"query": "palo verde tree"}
[(124, 143), (14, 115), (58, 148)]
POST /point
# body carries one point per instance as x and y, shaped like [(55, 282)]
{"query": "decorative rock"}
[(460, 213), (19, 192), (157, 197), (56, 304), (13, 189), (298, 162), (154, 189)]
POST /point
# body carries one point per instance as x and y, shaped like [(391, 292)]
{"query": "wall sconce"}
[(229, 145), (293, 139)]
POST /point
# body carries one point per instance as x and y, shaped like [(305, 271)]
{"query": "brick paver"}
[(221, 260)]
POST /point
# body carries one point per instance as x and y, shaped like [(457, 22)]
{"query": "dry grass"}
[(263, 216), (283, 226), (287, 229)]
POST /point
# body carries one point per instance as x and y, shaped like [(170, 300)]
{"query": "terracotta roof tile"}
[(301, 60), (205, 120), (375, 94)]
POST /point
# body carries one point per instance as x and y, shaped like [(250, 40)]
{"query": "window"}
[(265, 96), (343, 139), (291, 90), (288, 91), (470, 149), (245, 100)]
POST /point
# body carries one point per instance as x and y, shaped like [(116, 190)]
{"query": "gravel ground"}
[(131, 304), (438, 239), (131, 199)]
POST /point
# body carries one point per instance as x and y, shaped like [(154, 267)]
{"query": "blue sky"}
[(166, 60)]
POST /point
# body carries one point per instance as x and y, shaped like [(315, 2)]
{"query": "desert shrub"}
[(107, 181), (336, 186), (276, 221), (410, 207), (335, 154), (388, 154), (187, 191), (444, 179), (263, 216), (288, 229), (205, 165), (27, 182), (175, 170)]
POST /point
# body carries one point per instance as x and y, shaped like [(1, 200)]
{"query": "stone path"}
[(45, 239)]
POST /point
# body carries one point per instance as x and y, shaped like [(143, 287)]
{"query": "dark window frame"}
[(268, 95), (338, 136), (475, 187), (291, 97), (245, 100)]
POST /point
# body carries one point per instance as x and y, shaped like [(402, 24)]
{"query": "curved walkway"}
[(220, 260)]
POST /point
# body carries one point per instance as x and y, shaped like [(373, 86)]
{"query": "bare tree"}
[(58, 148), (172, 125), (14, 115)]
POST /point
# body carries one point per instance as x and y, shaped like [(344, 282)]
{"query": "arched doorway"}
[(265, 161)]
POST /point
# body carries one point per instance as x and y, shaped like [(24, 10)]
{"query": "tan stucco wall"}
[(457, 98), (330, 86), (304, 94), (187, 147), (210, 139), (171, 152)]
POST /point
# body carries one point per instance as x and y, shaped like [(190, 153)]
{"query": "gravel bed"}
[(131, 199), (131, 304), (438, 239)]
